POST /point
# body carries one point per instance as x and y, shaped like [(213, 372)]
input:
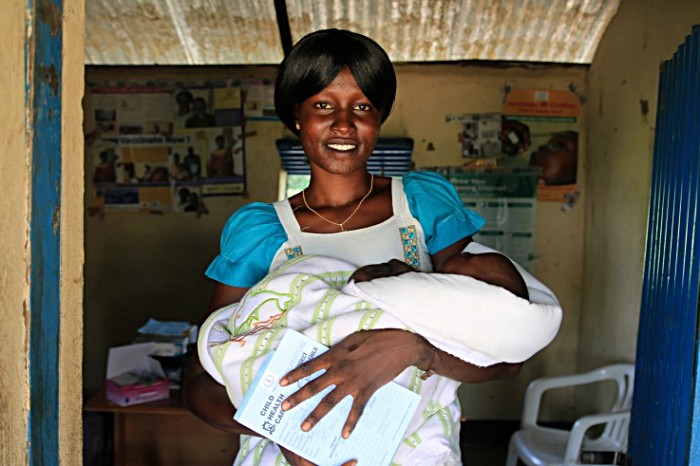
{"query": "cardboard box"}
[(133, 377)]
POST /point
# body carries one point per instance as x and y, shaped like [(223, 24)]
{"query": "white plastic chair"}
[(536, 445)]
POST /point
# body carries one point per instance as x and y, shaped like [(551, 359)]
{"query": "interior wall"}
[(140, 265), (623, 82)]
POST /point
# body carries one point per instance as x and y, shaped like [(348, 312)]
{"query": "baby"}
[(460, 264)]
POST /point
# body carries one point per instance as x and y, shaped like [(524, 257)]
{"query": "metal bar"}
[(283, 26)]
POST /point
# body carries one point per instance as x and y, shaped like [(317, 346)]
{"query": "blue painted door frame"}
[(665, 423), (43, 73)]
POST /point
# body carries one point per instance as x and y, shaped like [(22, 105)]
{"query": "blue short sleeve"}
[(249, 242), (435, 203)]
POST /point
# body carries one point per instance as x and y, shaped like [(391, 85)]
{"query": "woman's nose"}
[(343, 121)]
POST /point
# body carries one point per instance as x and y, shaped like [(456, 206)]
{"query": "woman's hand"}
[(359, 365), (296, 460)]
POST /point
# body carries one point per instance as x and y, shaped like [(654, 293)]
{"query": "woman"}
[(334, 90)]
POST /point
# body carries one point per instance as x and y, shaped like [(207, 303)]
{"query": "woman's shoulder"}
[(424, 176), (428, 185), (254, 222), (254, 213), (251, 237), (436, 204), (426, 180)]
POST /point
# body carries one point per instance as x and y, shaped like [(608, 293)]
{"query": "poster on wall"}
[(506, 199), (540, 129), (480, 135), (164, 148), (536, 130), (260, 99)]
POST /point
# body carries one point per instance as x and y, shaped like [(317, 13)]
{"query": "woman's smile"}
[(342, 147)]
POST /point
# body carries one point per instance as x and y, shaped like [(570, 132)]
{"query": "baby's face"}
[(387, 269)]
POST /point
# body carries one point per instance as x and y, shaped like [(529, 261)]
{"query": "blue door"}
[(665, 423)]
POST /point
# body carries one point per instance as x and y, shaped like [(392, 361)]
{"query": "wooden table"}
[(164, 433)]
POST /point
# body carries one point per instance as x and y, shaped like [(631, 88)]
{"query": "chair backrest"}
[(623, 375)]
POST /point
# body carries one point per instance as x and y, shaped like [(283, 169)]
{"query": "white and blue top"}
[(428, 216)]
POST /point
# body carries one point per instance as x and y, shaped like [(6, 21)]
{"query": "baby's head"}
[(386, 269)]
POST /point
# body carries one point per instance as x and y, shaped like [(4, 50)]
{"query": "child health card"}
[(373, 442)]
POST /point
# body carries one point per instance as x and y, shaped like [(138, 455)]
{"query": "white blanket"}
[(479, 323)]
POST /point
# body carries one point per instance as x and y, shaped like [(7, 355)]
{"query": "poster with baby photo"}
[(541, 131)]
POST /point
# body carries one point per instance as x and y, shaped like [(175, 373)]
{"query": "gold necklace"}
[(371, 185)]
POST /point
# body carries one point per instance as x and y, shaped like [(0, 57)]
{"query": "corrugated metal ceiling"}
[(245, 32)]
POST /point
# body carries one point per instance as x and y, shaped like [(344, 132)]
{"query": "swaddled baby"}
[(326, 299)]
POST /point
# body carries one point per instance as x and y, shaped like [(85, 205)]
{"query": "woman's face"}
[(339, 126)]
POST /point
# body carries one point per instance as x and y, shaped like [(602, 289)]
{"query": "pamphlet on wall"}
[(373, 442)]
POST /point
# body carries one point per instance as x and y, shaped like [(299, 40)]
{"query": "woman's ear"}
[(295, 116)]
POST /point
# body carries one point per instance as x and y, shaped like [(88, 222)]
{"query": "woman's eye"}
[(363, 107), (322, 105)]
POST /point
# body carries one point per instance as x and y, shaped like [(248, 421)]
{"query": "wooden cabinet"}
[(164, 433)]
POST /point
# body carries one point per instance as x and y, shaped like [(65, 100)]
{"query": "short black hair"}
[(319, 57)]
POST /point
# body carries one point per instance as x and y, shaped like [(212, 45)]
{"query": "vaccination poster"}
[(162, 147)]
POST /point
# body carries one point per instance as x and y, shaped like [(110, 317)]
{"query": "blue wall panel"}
[(665, 414)]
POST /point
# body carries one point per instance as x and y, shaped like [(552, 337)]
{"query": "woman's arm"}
[(367, 360), (201, 394)]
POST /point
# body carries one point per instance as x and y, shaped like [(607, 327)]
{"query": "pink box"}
[(127, 390)]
